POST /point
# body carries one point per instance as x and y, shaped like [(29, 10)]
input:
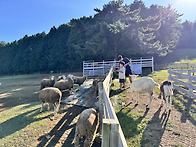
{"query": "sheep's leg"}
[(55, 108), (42, 107), (162, 100), (48, 106), (166, 101), (87, 142), (76, 138), (150, 99), (170, 101), (137, 98)]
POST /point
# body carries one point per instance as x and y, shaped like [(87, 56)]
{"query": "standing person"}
[(127, 63), (121, 71)]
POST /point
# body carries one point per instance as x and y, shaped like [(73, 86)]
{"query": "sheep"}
[(62, 77), (65, 84), (144, 84), (79, 80), (86, 126), (47, 82), (50, 95), (166, 89)]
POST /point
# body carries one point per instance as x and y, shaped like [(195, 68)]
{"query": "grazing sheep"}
[(167, 91), (144, 84), (62, 77), (79, 80), (47, 82), (50, 95), (86, 126), (65, 84)]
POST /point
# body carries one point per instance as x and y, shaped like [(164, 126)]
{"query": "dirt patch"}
[(177, 128), (60, 130)]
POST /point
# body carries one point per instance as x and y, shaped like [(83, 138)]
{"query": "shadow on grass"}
[(63, 132), (130, 125), (18, 122), (155, 128), (116, 92), (188, 104)]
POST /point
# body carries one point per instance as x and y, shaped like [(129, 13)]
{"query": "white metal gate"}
[(92, 68)]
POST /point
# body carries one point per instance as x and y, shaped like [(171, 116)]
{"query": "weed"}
[(177, 144), (176, 133)]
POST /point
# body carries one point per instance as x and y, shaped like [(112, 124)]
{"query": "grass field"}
[(22, 124)]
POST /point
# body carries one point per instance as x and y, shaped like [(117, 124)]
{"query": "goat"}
[(144, 84), (167, 91)]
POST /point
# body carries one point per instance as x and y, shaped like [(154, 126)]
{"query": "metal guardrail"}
[(92, 68)]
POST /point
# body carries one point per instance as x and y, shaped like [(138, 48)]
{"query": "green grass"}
[(132, 121), (177, 144), (21, 124), (186, 61)]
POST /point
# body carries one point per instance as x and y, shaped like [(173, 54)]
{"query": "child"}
[(121, 71)]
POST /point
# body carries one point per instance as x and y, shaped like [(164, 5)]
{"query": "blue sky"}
[(27, 17)]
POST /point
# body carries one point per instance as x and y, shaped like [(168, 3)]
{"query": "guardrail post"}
[(190, 81), (103, 67), (101, 105), (152, 64), (110, 133)]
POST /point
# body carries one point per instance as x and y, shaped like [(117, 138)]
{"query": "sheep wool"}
[(86, 126), (47, 82), (64, 84), (50, 95), (79, 80)]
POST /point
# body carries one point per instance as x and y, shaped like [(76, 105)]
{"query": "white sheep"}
[(47, 82), (142, 85), (50, 95), (167, 91), (62, 77), (65, 84), (86, 126)]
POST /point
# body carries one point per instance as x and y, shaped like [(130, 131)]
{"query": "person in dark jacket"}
[(126, 63)]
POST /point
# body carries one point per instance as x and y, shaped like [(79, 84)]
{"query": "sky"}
[(28, 17)]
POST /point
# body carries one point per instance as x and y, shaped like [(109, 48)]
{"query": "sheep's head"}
[(52, 77), (63, 77), (70, 79), (133, 77)]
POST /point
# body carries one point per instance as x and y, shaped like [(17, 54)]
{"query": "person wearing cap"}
[(126, 63)]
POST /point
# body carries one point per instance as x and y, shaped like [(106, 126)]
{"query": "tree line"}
[(132, 30)]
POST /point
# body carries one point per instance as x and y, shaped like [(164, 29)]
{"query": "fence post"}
[(152, 64), (190, 81), (110, 133), (103, 67), (100, 105), (93, 68), (83, 68), (169, 78)]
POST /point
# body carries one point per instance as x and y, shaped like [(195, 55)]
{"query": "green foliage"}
[(131, 30)]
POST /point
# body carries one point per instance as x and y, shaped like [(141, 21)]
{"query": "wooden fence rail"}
[(112, 135), (184, 81)]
